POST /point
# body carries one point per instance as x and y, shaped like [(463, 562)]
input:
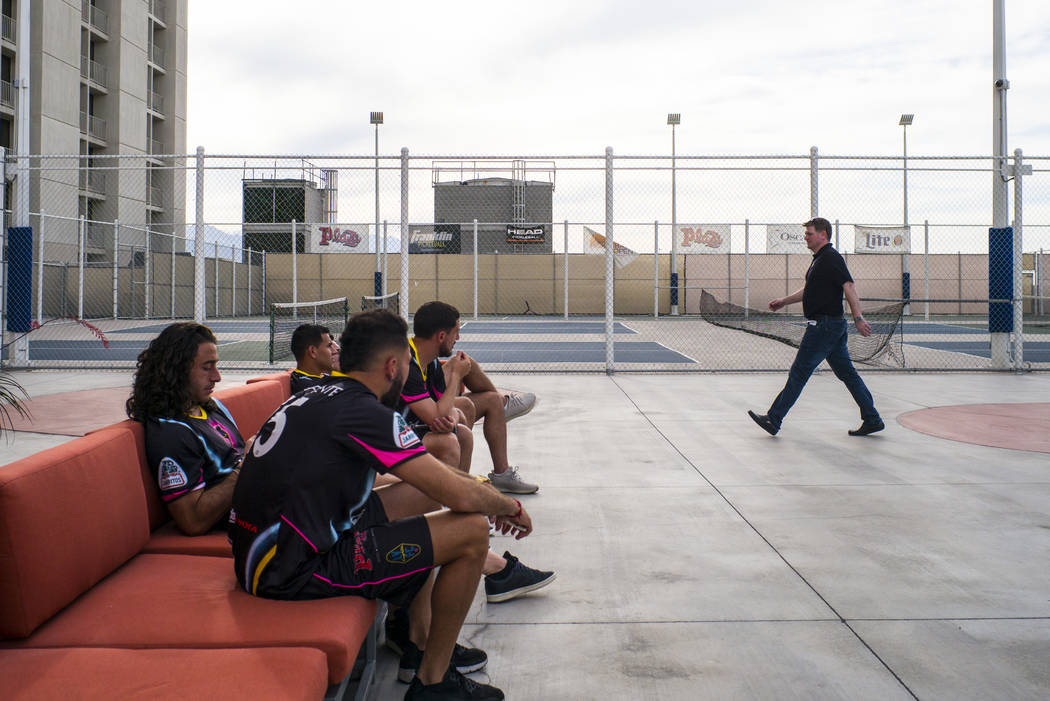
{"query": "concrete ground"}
[(698, 557)]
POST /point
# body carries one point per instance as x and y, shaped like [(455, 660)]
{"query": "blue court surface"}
[(570, 352), (541, 327), (1034, 351)]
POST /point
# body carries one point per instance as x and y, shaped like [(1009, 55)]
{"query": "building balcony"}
[(7, 94), (159, 10), (93, 126), (156, 55), (156, 102), (8, 30), (92, 181), (95, 17), (94, 72), (98, 234)]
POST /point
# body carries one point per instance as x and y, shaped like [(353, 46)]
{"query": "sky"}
[(546, 78)]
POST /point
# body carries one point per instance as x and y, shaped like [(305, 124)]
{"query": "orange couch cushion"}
[(252, 404), (158, 512), (284, 378), (69, 516), (169, 539), (102, 674), (183, 601)]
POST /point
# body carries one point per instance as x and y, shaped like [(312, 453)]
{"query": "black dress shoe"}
[(866, 428), (763, 421)]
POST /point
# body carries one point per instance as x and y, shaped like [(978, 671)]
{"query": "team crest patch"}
[(170, 475), (404, 553), (404, 436)]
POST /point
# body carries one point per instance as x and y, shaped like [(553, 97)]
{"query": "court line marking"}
[(684, 355)]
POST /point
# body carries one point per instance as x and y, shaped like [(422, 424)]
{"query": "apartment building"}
[(107, 78)]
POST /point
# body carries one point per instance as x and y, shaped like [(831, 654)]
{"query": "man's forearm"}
[(198, 511), (850, 291)]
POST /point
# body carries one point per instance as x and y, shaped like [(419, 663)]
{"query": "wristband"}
[(520, 509)]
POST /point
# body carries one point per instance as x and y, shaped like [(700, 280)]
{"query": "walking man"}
[(825, 339)]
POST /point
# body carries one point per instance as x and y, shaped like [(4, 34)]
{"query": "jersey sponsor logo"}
[(221, 431), (404, 436), (170, 475), (361, 561), (404, 553)]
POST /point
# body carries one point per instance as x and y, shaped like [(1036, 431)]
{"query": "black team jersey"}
[(422, 382), (193, 452), (306, 481), (301, 380)]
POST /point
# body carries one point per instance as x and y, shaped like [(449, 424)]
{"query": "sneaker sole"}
[(520, 591), (518, 416), (515, 490), (405, 675)]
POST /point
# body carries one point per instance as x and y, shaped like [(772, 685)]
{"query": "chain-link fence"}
[(589, 263)]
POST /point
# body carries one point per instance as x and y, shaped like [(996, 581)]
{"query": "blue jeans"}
[(825, 340)]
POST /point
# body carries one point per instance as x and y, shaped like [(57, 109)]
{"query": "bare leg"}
[(444, 447), (466, 447), (490, 405), (493, 563)]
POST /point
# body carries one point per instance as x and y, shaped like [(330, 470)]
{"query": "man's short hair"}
[(161, 387), (368, 335), (820, 224), (433, 317), (306, 335)]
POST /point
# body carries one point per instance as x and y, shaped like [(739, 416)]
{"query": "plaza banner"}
[(786, 238), (882, 239), (433, 238), (703, 238), (338, 238)]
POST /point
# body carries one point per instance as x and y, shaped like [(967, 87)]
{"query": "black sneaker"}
[(397, 630), (464, 660), (866, 428), (514, 580), (454, 687), (765, 422)]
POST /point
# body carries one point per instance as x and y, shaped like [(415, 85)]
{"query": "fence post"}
[(813, 189), (40, 270), (565, 273), (404, 234), (233, 281), (216, 267), (80, 270), (199, 292), (656, 269), (837, 247), (747, 268), (610, 287), (475, 268), (385, 246), (172, 295), (250, 259), (265, 305), (149, 257), (116, 268), (295, 265), (1019, 172), (926, 265)]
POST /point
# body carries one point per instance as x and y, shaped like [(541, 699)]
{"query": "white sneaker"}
[(518, 404), (511, 482)]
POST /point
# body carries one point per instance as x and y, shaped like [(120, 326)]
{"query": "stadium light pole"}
[(906, 120), (674, 119), (376, 118)]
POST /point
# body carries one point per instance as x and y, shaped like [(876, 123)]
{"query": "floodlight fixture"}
[(375, 118), (674, 118), (906, 119)]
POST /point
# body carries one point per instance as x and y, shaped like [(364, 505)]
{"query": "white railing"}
[(158, 8), (155, 147), (7, 93), (92, 180), (94, 71), (95, 126), (156, 102), (156, 55), (8, 29), (95, 17)]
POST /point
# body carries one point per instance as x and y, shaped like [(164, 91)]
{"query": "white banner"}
[(594, 243), (338, 238), (786, 238), (703, 238), (882, 239)]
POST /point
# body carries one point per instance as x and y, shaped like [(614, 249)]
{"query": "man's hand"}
[(863, 327), (776, 304), (443, 424), (459, 364), (520, 526)]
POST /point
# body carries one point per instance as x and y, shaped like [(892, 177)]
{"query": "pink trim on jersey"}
[(366, 584), (299, 532), (414, 398), (388, 458), (176, 495)]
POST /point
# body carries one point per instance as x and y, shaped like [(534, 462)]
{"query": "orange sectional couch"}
[(100, 595)]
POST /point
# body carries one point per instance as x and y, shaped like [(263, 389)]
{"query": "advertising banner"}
[(703, 238), (882, 239), (786, 238), (526, 233), (594, 243), (338, 238), (433, 238)]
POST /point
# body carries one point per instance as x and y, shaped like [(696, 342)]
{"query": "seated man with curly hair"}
[(192, 441)]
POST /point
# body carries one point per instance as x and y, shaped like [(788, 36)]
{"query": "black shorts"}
[(378, 559)]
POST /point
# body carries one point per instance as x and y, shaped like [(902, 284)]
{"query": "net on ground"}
[(387, 301), (883, 347), (285, 317)]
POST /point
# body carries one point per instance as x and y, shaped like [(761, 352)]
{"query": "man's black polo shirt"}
[(822, 295)]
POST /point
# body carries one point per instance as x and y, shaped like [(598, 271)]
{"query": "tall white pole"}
[(385, 248), (200, 311), (19, 353), (674, 228), (404, 234), (39, 271), (565, 274), (1018, 258), (905, 169), (116, 268), (610, 285), (814, 184), (80, 270), (295, 265), (656, 269), (379, 263), (216, 266), (475, 268), (747, 267), (1000, 342), (926, 264)]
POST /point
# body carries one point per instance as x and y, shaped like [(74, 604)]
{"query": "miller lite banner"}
[(433, 238), (882, 239), (786, 238), (338, 238), (703, 238), (526, 233)]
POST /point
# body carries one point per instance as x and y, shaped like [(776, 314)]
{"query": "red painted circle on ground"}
[(1014, 426)]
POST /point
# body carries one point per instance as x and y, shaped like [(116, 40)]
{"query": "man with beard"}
[(307, 523), (316, 355)]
